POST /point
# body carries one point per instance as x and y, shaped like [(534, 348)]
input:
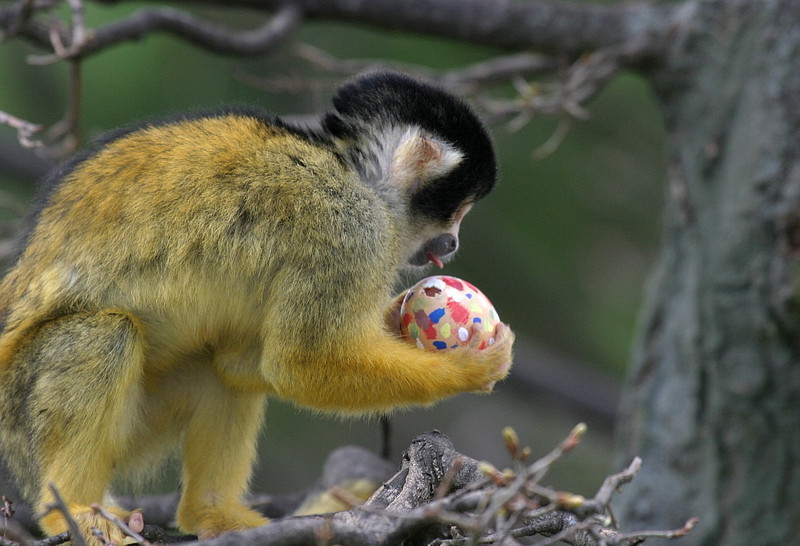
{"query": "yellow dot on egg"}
[(444, 331)]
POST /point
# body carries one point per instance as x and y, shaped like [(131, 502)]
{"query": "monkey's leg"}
[(83, 409), (218, 454)]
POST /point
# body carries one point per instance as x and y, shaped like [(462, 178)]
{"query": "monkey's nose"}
[(440, 247), (447, 243)]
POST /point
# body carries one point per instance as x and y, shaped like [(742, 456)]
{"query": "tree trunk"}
[(712, 402)]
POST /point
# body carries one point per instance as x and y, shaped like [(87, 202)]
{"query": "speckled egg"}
[(442, 312)]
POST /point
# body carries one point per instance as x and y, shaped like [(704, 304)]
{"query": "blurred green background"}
[(562, 247)]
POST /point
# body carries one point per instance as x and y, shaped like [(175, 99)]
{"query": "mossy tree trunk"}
[(712, 402)]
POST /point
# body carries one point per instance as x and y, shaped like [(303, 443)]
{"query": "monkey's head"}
[(424, 151)]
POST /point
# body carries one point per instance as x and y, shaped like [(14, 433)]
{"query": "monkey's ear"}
[(418, 159)]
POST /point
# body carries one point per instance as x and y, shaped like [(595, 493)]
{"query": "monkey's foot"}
[(92, 525), (209, 522)]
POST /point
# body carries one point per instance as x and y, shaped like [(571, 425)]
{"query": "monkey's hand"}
[(496, 357), (93, 526), (491, 350)]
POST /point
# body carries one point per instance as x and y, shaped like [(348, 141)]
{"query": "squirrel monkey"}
[(178, 274)]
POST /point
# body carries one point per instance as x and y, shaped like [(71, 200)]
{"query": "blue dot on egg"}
[(436, 315), (440, 344)]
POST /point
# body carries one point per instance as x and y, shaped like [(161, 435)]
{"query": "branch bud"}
[(490, 471), (511, 441), (569, 501), (574, 438)]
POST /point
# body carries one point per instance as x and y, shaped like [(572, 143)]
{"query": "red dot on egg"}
[(452, 281), (458, 312)]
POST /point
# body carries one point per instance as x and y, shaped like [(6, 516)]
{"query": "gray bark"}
[(712, 402)]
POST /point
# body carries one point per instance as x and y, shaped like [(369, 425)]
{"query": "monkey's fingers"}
[(480, 339), (500, 341)]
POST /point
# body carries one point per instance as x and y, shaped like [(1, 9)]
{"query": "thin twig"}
[(581, 82), (464, 81), (119, 523), (675, 533), (58, 504), (538, 468), (78, 37), (25, 129), (614, 481), (554, 140)]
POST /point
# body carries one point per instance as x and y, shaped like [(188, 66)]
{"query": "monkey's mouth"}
[(422, 258), (436, 260), (436, 251)]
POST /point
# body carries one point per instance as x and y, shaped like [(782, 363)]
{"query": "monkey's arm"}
[(377, 371)]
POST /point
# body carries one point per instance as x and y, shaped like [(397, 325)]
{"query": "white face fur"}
[(398, 161), (412, 159)]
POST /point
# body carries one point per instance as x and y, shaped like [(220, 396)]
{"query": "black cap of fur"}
[(391, 98)]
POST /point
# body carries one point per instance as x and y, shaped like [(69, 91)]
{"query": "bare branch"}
[(464, 81), (582, 81), (63, 137), (217, 38), (199, 32), (600, 39), (567, 30), (78, 37), (675, 533), (559, 28), (615, 481), (25, 129), (484, 506), (442, 497), (497, 70)]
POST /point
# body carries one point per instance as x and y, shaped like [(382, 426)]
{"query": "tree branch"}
[(438, 494), (25, 129), (216, 38), (202, 33), (439, 497), (557, 28), (597, 40)]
